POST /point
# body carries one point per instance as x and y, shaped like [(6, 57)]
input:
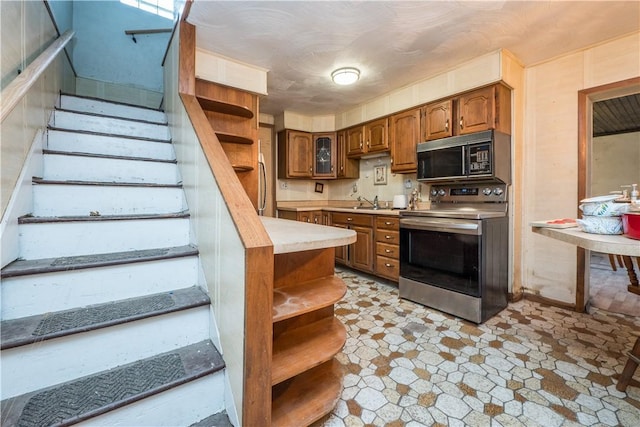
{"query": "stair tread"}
[(106, 101), (48, 265), (27, 330), (115, 135), (27, 219), (110, 116), (221, 419), (37, 180), (107, 156), (87, 397)]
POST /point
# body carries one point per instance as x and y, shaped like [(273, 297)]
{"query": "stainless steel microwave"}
[(482, 155)]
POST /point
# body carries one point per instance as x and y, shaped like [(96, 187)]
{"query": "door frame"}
[(586, 98)]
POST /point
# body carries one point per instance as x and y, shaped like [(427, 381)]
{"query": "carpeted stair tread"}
[(38, 328), (108, 156), (221, 419), (48, 265), (87, 397), (28, 219)]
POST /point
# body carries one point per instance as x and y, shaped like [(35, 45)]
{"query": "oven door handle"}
[(443, 226)]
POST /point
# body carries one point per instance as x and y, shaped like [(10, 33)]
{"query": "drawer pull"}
[(388, 223), (349, 219), (388, 237), (386, 264), (388, 251)]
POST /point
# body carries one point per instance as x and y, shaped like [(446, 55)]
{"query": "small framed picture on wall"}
[(380, 175), (319, 187)]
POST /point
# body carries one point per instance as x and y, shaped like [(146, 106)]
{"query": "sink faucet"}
[(374, 203)]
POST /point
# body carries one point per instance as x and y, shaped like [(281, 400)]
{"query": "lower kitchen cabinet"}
[(358, 255), (387, 247), (311, 217)]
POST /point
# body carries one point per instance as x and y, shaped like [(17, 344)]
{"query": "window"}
[(162, 8)]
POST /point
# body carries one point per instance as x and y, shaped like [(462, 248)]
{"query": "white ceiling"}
[(393, 43)]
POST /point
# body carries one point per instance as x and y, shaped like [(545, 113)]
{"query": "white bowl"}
[(600, 224), (603, 208)]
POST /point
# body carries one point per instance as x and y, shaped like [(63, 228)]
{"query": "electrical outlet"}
[(407, 183), (284, 185)]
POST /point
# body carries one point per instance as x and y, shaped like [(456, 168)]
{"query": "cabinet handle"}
[(462, 122), (388, 251), (349, 219), (308, 220), (388, 237), (311, 169), (315, 220), (392, 160), (341, 168), (386, 264), (331, 168), (446, 125), (360, 144), (387, 223), (367, 143)]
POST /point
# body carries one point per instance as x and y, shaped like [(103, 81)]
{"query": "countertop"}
[(606, 243), (293, 236), (392, 212)]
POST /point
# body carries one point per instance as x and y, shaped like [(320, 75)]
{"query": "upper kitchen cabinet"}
[(372, 137), (346, 167), (295, 154), (404, 135), (324, 155), (233, 115), (475, 111), (438, 120), (484, 109)]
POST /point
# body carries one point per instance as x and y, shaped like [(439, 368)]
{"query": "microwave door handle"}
[(464, 161)]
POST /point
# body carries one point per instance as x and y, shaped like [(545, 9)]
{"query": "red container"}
[(631, 224)]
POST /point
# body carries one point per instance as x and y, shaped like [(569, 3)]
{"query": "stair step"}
[(28, 219), (109, 108), (82, 142), (66, 237), (38, 328), (107, 156), (108, 169), (90, 396), (108, 125), (48, 265), (220, 419), (67, 198)]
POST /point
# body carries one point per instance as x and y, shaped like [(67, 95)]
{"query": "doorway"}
[(596, 268)]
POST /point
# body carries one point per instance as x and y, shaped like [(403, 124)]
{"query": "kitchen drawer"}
[(388, 236), (387, 223), (387, 267), (389, 251), (352, 219)]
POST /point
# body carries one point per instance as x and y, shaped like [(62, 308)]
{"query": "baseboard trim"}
[(548, 301)]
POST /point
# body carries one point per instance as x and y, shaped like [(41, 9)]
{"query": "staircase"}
[(103, 317)]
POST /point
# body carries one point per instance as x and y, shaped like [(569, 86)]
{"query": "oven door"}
[(442, 252)]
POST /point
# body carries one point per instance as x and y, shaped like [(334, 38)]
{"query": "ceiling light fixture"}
[(345, 76)]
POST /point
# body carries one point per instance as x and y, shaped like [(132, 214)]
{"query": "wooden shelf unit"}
[(306, 379), (225, 107)]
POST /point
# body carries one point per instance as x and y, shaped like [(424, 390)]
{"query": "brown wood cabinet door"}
[(342, 252), (346, 167), (324, 155), (404, 131), (377, 136), (438, 120), (306, 216), (299, 154), (361, 252), (476, 111), (355, 140)]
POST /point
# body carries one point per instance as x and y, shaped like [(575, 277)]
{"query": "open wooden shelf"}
[(303, 348), (233, 138), (296, 299), (307, 397), (216, 106)]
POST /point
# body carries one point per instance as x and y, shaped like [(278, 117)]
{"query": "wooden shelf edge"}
[(233, 138), (242, 168), (223, 107), (303, 348), (307, 397), (300, 298)]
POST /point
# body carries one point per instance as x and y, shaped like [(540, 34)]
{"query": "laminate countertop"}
[(294, 236), (606, 243), (392, 212)]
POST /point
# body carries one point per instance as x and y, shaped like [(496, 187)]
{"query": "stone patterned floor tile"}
[(407, 365)]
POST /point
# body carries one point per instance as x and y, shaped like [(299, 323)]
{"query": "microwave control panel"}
[(480, 159)]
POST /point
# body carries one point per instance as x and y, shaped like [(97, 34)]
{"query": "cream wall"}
[(615, 162), (26, 31), (221, 251), (550, 154)]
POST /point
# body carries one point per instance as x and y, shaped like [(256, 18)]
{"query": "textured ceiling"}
[(393, 43)]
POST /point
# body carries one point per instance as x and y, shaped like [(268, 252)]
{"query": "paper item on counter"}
[(555, 223)]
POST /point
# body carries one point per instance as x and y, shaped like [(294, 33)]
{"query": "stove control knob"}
[(434, 192), (441, 192), (486, 191), (498, 191)]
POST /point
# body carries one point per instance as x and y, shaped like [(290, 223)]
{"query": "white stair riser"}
[(78, 168), (53, 240), (181, 406), (74, 121), (43, 364), (29, 295), (111, 145), (110, 109), (76, 200)]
